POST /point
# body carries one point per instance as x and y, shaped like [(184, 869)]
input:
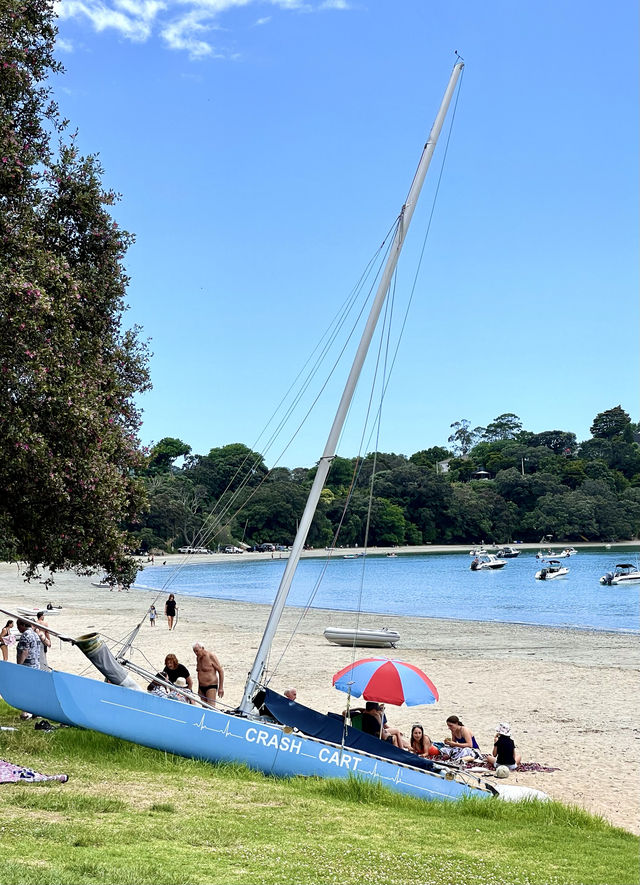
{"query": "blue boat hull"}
[(211, 735)]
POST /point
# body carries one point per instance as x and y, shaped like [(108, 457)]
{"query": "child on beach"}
[(152, 616)]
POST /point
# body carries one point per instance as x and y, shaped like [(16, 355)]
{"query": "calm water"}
[(431, 585)]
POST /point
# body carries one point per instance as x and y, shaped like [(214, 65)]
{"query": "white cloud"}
[(184, 25), (184, 33), (262, 21), (64, 45), (134, 20)]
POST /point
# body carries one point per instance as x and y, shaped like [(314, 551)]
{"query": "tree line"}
[(499, 482)]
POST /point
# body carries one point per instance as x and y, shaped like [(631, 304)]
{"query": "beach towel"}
[(524, 766), (15, 774)]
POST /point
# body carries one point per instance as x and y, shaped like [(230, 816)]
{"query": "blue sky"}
[(263, 149)]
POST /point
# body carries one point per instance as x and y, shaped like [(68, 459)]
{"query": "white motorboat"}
[(623, 573), (555, 569), (383, 638), (508, 552), (569, 551), (487, 561), (547, 554)]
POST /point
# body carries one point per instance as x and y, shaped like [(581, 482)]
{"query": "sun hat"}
[(504, 728), (181, 682)]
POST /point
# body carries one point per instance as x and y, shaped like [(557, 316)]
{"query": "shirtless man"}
[(210, 674)]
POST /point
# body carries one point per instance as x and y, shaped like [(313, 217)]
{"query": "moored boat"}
[(383, 638), (488, 562), (623, 573), (553, 570), (508, 552)]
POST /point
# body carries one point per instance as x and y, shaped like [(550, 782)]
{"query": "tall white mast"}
[(255, 676)]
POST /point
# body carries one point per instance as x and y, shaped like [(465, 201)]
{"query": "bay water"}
[(435, 585)]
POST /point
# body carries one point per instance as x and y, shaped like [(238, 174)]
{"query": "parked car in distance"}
[(231, 549), (193, 550), (266, 548)]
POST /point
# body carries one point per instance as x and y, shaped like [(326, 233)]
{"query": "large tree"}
[(609, 424), (69, 449)]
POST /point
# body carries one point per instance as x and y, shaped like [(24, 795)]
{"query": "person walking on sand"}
[(152, 616), (210, 674), (170, 608)]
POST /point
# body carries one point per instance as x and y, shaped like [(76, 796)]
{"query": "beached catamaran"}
[(297, 740)]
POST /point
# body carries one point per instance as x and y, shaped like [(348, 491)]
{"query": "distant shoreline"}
[(197, 558)]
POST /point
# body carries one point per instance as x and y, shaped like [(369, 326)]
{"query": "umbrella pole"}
[(347, 720)]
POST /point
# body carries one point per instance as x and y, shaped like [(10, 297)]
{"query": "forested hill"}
[(497, 483)]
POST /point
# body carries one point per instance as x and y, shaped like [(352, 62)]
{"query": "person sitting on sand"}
[(504, 749), (421, 743), (374, 723), (462, 743), (158, 688)]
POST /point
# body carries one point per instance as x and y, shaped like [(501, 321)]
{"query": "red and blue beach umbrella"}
[(387, 682)]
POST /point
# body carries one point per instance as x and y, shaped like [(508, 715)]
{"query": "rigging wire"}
[(356, 471), (215, 519), (377, 420)]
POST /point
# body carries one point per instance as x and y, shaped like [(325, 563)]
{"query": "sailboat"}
[(266, 731)]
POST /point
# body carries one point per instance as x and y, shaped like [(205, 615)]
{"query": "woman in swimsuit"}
[(462, 742), (6, 639), (421, 743)]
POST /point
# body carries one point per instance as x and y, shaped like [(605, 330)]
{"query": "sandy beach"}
[(571, 696)]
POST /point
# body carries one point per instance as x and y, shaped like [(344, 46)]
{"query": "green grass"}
[(133, 815)]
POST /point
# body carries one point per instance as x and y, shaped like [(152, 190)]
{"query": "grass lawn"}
[(133, 815)]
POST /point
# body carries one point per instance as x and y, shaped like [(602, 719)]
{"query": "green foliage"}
[(164, 453), (431, 457), (463, 438), (610, 424), (225, 469), (506, 426), (69, 450), (539, 484)]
